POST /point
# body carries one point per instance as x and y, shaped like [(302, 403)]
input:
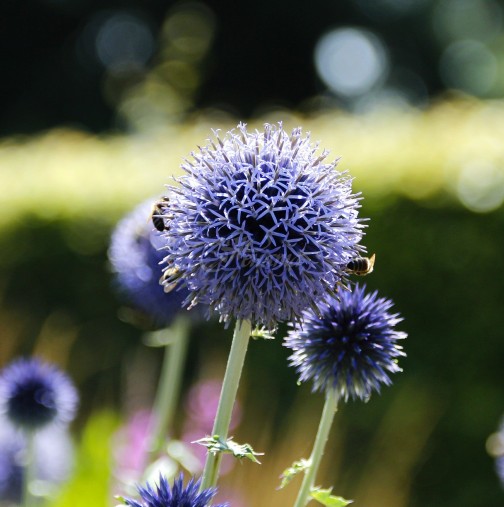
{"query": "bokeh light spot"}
[(470, 66), (124, 40), (467, 19), (350, 61), (480, 186), (190, 28)]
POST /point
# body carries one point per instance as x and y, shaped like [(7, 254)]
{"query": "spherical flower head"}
[(260, 227), (34, 394), (352, 348), (135, 257), (162, 495)]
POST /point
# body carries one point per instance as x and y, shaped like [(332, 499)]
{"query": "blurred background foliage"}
[(100, 103)]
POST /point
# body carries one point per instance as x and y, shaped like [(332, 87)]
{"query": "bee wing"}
[(371, 263)]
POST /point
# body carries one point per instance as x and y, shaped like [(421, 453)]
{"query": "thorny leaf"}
[(297, 467), (215, 444), (324, 497), (262, 333)]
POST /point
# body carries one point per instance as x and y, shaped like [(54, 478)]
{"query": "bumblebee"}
[(173, 274), (361, 265), (157, 214)]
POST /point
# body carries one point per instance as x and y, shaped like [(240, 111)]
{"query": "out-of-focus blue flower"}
[(260, 228), (53, 455), (495, 447), (34, 394), (135, 258), (499, 468), (352, 348), (177, 496)]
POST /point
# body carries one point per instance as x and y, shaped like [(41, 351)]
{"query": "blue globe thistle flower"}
[(53, 460), (495, 447), (260, 228), (177, 496), (135, 257), (34, 394), (352, 348)]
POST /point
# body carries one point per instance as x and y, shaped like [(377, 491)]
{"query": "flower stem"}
[(29, 469), (222, 420), (169, 384), (330, 407)]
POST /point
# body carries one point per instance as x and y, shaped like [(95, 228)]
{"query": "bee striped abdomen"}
[(361, 265), (157, 214)]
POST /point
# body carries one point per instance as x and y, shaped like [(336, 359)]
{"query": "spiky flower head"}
[(352, 348), (161, 495), (260, 227), (34, 394), (135, 257)]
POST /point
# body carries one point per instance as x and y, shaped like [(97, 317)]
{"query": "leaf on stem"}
[(215, 445), (297, 467), (262, 333), (324, 497)]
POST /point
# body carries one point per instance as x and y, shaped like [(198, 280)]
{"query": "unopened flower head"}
[(161, 495), (260, 227), (352, 348), (135, 257), (34, 394)]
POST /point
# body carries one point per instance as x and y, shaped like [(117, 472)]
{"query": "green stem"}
[(169, 384), (222, 420), (29, 469), (330, 407)]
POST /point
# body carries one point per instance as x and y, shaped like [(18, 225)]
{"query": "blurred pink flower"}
[(130, 447), (201, 406)]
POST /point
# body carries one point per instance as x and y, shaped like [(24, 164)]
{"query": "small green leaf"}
[(324, 497), (297, 467), (215, 444), (262, 333)]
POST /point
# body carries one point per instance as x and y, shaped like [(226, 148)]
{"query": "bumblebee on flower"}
[(260, 227), (134, 254)]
